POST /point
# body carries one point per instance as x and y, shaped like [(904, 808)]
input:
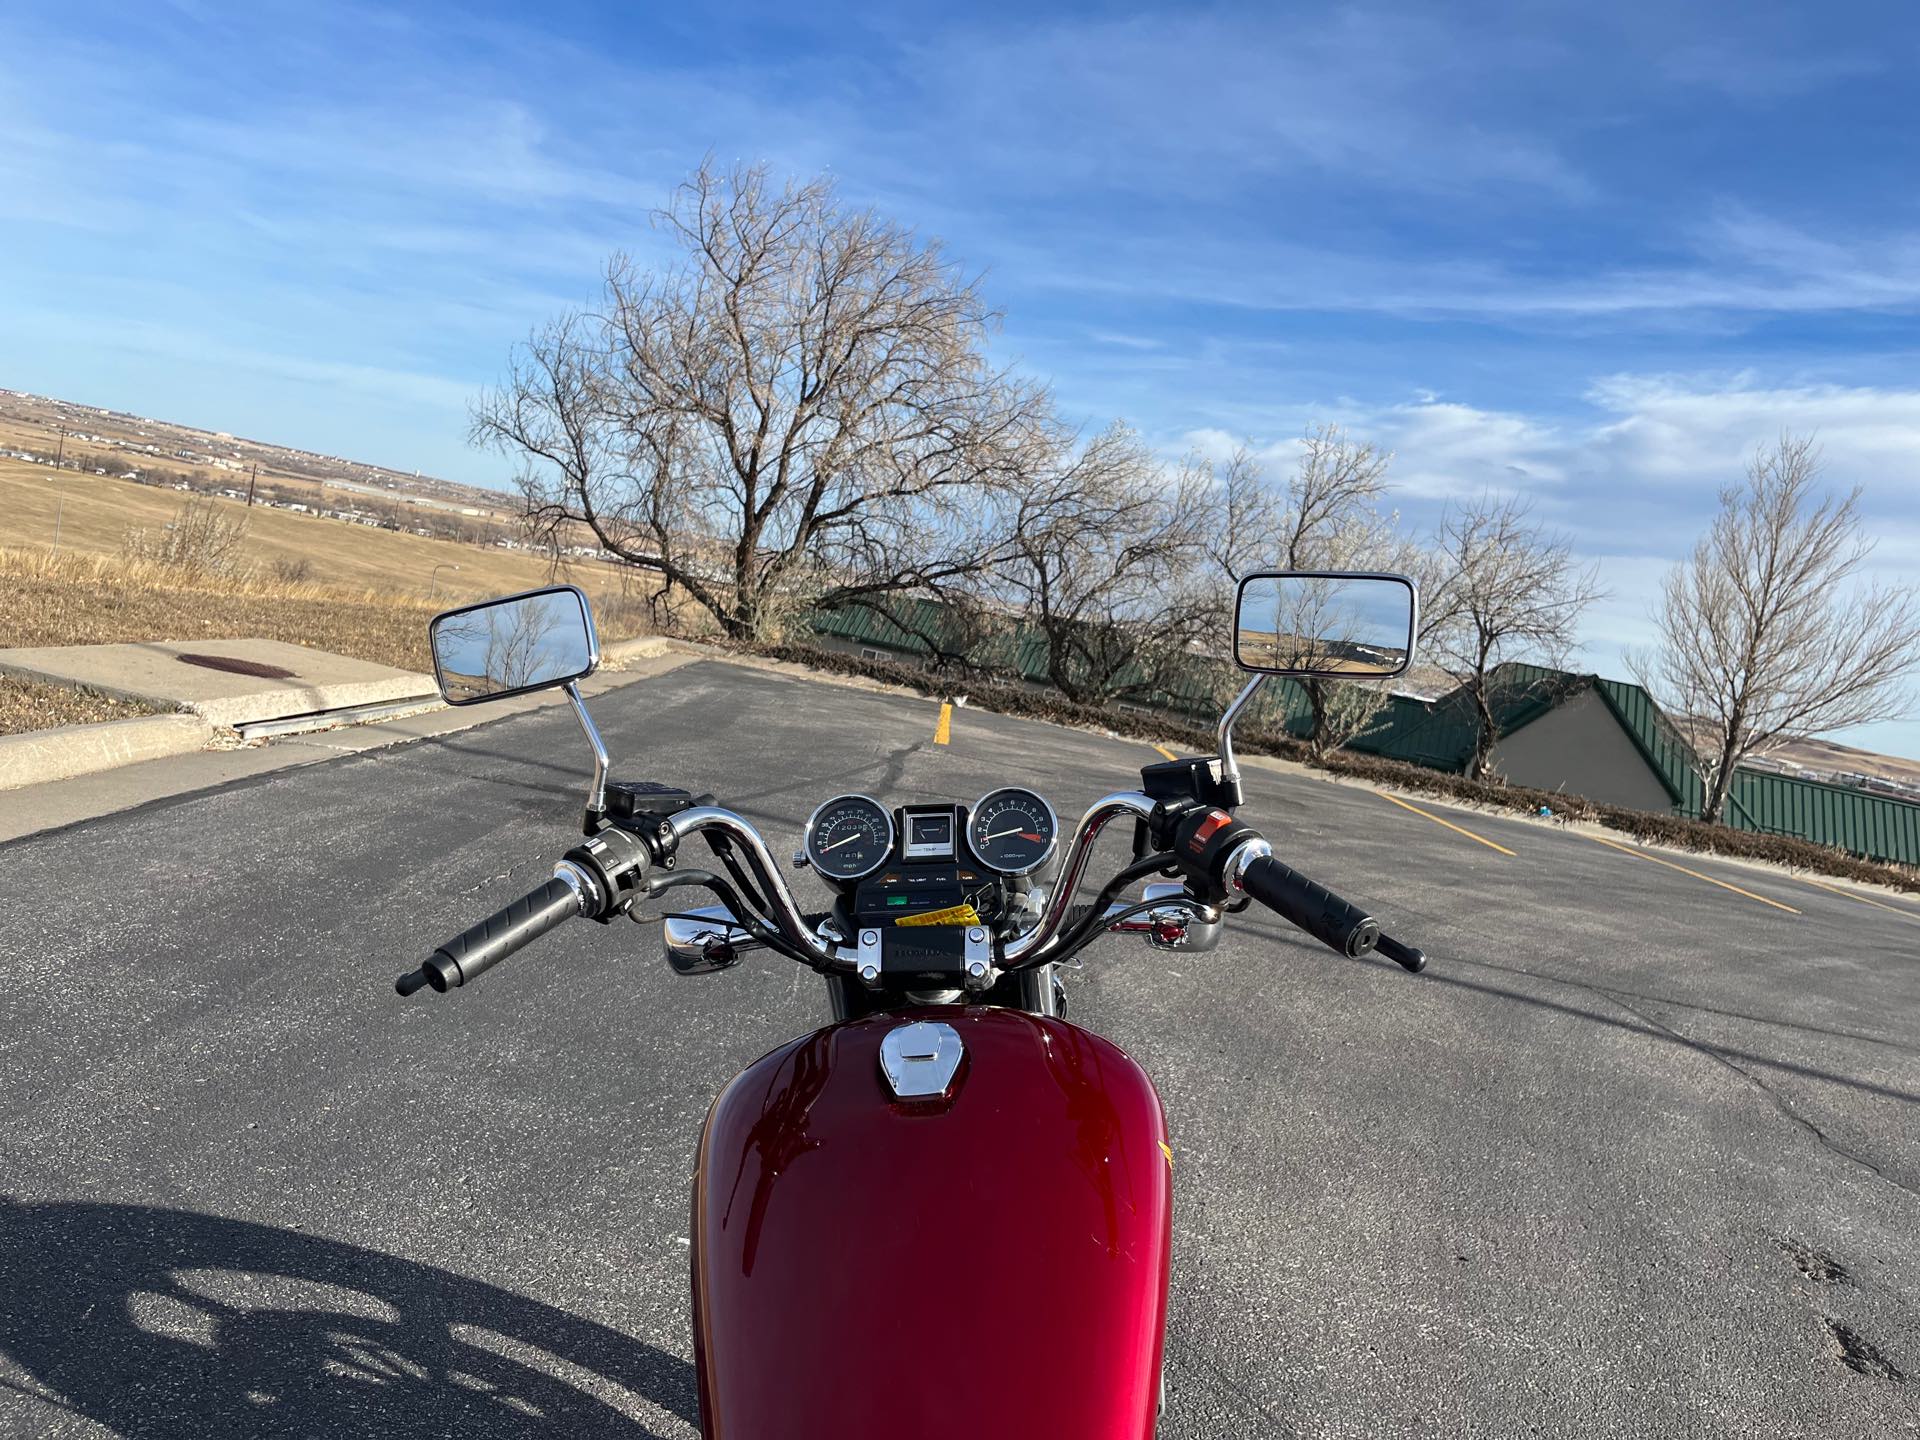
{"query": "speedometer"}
[(1012, 831), (849, 836)]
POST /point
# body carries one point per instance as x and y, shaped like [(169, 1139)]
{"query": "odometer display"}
[(1012, 831), (849, 836)]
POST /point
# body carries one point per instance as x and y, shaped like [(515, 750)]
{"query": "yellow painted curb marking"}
[(1864, 900), (1655, 859), (1448, 823), (943, 732), (1166, 752)]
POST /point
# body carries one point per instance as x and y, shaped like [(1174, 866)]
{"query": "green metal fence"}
[(1880, 827)]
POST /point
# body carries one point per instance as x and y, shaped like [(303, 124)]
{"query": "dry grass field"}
[(95, 512), (69, 599), (74, 599), (31, 705)]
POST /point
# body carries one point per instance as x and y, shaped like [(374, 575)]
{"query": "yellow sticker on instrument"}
[(952, 915)]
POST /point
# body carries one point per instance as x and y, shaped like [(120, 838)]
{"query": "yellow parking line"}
[(943, 732), (1166, 752), (1655, 859), (1864, 900), (1438, 821)]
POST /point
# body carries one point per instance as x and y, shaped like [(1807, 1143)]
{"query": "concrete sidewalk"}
[(58, 803), (226, 682)]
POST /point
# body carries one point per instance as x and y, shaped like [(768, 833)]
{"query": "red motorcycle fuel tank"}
[(992, 1263)]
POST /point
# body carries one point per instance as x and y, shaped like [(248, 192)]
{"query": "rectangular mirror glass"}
[(530, 641), (1336, 624)]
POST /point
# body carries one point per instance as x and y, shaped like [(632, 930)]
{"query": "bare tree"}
[(1509, 589), (1326, 515), (1249, 512), (962, 632), (1763, 635), (1103, 554), (800, 407)]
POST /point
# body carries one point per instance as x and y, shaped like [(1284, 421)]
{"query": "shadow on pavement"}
[(1674, 1003), (164, 1323), (1727, 1054)]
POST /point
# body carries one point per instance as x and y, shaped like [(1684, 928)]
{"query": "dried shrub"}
[(203, 538)]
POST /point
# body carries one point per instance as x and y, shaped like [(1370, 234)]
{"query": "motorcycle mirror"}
[(1333, 624), (1337, 625), (535, 640)]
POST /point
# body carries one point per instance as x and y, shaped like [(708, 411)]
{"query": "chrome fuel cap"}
[(920, 1060)]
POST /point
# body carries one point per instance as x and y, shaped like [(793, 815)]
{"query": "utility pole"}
[(60, 451), (250, 479)]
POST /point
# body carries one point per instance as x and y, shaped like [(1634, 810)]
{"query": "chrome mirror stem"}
[(597, 795), (1229, 766)]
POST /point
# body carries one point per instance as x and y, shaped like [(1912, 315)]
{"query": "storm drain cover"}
[(256, 668)]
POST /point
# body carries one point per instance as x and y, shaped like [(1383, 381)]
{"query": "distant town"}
[(46, 430)]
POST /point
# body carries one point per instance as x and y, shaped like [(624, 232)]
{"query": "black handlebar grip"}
[(480, 947), (1405, 956), (1314, 908)]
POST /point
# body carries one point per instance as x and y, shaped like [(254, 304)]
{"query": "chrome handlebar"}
[(787, 916), (1027, 949), (1031, 946)]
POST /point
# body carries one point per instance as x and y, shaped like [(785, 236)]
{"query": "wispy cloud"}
[(1199, 100), (1737, 67), (1654, 448), (1735, 264)]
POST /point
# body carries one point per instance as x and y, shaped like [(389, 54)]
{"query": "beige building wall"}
[(1579, 748)]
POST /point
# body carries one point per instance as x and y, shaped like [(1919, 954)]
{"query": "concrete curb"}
[(69, 750), (646, 647), (40, 756), (284, 679), (79, 798)]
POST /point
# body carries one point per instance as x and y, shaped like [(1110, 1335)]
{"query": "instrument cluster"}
[(1010, 831)]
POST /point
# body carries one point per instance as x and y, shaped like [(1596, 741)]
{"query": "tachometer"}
[(849, 836), (1012, 831)]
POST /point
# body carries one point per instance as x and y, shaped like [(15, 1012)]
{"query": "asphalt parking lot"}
[(1637, 1156)]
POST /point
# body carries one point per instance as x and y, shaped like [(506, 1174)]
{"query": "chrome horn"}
[(704, 941), (1179, 923)]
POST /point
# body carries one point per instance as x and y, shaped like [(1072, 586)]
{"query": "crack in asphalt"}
[(1697, 1008), (1826, 1141), (1860, 1354), (1198, 1365), (1786, 1111), (895, 765)]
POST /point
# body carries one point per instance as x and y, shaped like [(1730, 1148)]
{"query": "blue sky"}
[(1593, 253)]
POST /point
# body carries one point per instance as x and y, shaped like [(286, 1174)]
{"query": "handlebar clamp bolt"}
[(977, 970), (869, 937), (869, 973)]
